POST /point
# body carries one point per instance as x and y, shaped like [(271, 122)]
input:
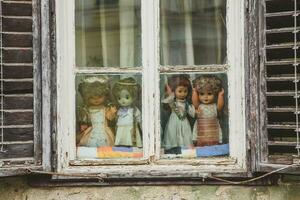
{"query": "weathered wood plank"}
[(16, 25), (16, 40), (17, 103), (18, 134), (17, 55), (280, 159), (18, 118), (18, 87), (15, 72), (16, 9), (263, 137), (17, 151)]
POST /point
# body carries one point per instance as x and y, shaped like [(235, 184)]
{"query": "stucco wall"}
[(18, 189)]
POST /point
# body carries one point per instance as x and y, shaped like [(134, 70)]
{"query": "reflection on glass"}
[(109, 116), (194, 117), (108, 33), (192, 32)]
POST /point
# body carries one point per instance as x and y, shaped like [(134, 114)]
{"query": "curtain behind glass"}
[(108, 33), (193, 32)]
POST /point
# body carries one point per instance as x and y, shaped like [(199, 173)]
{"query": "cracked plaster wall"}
[(18, 189)]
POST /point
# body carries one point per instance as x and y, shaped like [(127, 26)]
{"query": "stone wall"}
[(18, 189)]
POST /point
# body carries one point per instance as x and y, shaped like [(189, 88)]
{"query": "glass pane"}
[(108, 33), (192, 32), (109, 117), (194, 115)]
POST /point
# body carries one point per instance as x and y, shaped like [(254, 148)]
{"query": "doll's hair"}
[(93, 86), (208, 82), (181, 80), (128, 84)]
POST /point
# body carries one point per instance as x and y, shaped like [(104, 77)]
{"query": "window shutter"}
[(19, 113), (280, 86)]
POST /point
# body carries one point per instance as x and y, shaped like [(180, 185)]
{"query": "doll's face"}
[(96, 100), (181, 92), (125, 98), (206, 97)]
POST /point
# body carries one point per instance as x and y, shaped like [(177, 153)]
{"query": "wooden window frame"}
[(149, 166)]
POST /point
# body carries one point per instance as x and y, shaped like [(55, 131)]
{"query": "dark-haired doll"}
[(129, 119), (95, 113), (178, 132)]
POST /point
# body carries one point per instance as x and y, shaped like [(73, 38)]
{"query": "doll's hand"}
[(198, 111), (110, 112), (169, 90), (83, 127), (113, 109), (221, 93)]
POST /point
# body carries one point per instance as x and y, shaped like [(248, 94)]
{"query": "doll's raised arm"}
[(220, 103), (170, 98), (84, 119), (111, 112), (195, 98)]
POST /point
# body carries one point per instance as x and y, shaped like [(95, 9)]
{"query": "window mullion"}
[(150, 34)]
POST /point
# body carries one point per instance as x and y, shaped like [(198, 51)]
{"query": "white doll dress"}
[(125, 128)]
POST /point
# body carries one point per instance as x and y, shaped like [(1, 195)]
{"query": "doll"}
[(208, 99), (129, 117), (178, 132), (95, 113)]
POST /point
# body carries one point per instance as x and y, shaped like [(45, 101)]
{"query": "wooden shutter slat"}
[(17, 40), (16, 25), (282, 30), (18, 134), (286, 93), (18, 118), (17, 151), (278, 14), (289, 45), (281, 109), (21, 71), (18, 103), (17, 55), (16, 9)]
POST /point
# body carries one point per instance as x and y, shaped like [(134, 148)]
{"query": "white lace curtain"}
[(108, 32)]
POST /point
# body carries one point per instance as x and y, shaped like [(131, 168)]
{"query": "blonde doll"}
[(95, 113), (129, 118), (178, 132), (208, 99)]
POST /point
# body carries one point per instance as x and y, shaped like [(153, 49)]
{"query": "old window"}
[(150, 63)]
